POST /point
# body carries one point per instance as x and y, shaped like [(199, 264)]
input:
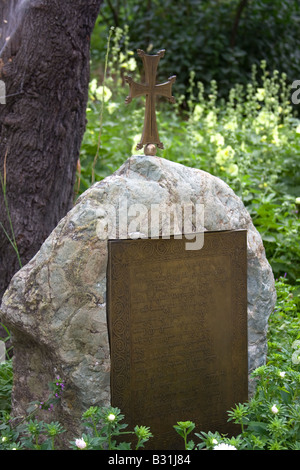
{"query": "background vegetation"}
[(217, 39)]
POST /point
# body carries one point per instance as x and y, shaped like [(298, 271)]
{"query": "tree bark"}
[(45, 68)]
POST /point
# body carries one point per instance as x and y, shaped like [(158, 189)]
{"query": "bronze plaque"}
[(177, 324)]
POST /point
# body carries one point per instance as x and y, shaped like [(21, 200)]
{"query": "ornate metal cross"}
[(150, 136)]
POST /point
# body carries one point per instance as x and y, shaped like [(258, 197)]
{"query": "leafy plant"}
[(6, 340), (10, 236), (251, 141), (106, 427), (104, 423), (34, 430), (28, 432), (269, 421), (184, 428), (6, 378)]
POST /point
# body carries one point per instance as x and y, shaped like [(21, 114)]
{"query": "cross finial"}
[(150, 136)]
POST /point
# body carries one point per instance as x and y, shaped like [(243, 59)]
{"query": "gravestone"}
[(178, 332), (56, 306)]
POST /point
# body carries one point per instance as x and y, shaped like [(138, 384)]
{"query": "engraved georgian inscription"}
[(178, 332)]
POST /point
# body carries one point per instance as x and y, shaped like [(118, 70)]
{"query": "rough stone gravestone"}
[(55, 306)]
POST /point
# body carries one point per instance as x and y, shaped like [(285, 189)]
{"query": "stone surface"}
[(55, 306)]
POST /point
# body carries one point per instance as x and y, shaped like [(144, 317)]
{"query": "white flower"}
[(274, 409), (224, 447), (80, 443), (214, 441), (296, 357), (4, 438), (282, 374), (111, 417)]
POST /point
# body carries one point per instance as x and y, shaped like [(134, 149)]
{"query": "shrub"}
[(209, 37)]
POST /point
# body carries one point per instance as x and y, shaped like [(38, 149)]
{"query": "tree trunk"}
[(45, 68)]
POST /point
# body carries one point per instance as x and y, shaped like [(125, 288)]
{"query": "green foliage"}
[(270, 420), (6, 377), (201, 36), (10, 235), (108, 116), (284, 323), (184, 428), (250, 140), (102, 424)]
